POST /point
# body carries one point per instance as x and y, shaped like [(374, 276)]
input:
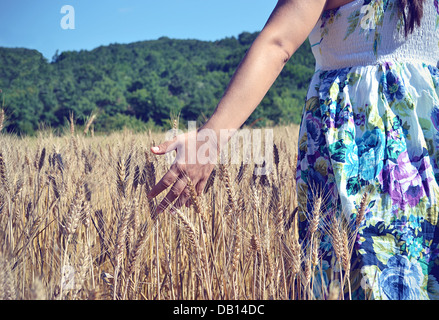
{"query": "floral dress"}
[(370, 126)]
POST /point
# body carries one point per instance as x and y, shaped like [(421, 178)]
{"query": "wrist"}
[(219, 135)]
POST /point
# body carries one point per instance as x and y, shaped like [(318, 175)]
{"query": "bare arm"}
[(287, 28)]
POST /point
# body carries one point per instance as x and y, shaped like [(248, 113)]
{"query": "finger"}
[(199, 188), (168, 179), (174, 193), (164, 147), (183, 199)]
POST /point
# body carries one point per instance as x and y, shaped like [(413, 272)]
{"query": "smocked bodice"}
[(367, 32)]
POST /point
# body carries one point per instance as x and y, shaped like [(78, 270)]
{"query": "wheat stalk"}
[(72, 124), (120, 241), (4, 174), (89, 123), (2, 119)]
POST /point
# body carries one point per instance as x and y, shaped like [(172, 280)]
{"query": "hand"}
[(194, 160)]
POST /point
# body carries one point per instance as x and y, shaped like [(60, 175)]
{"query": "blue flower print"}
[(369, 166), (434, 74), (393, 86), (415, 247), (352, 164), (372, 139), (329, 78), (435, 117), (370, 153), (402, 279)]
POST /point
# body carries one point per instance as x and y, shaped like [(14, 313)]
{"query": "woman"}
[(370, 127)]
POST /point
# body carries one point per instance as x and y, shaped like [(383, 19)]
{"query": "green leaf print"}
[(396, 123), (353, 78), (394, 149), (352, 186), (338, 151), (376, 43), (385, 247), (353, 23), (433, 214), (425, 124)]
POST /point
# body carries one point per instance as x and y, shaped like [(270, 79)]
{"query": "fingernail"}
[(155, 149)]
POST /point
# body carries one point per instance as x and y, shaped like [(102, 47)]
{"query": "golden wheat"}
[(76, 223)]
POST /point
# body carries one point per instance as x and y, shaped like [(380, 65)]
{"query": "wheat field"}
[(75, 224)]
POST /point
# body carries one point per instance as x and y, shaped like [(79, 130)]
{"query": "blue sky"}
[(36, 24)]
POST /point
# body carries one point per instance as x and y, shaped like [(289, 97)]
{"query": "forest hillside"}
[(139, 85)]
